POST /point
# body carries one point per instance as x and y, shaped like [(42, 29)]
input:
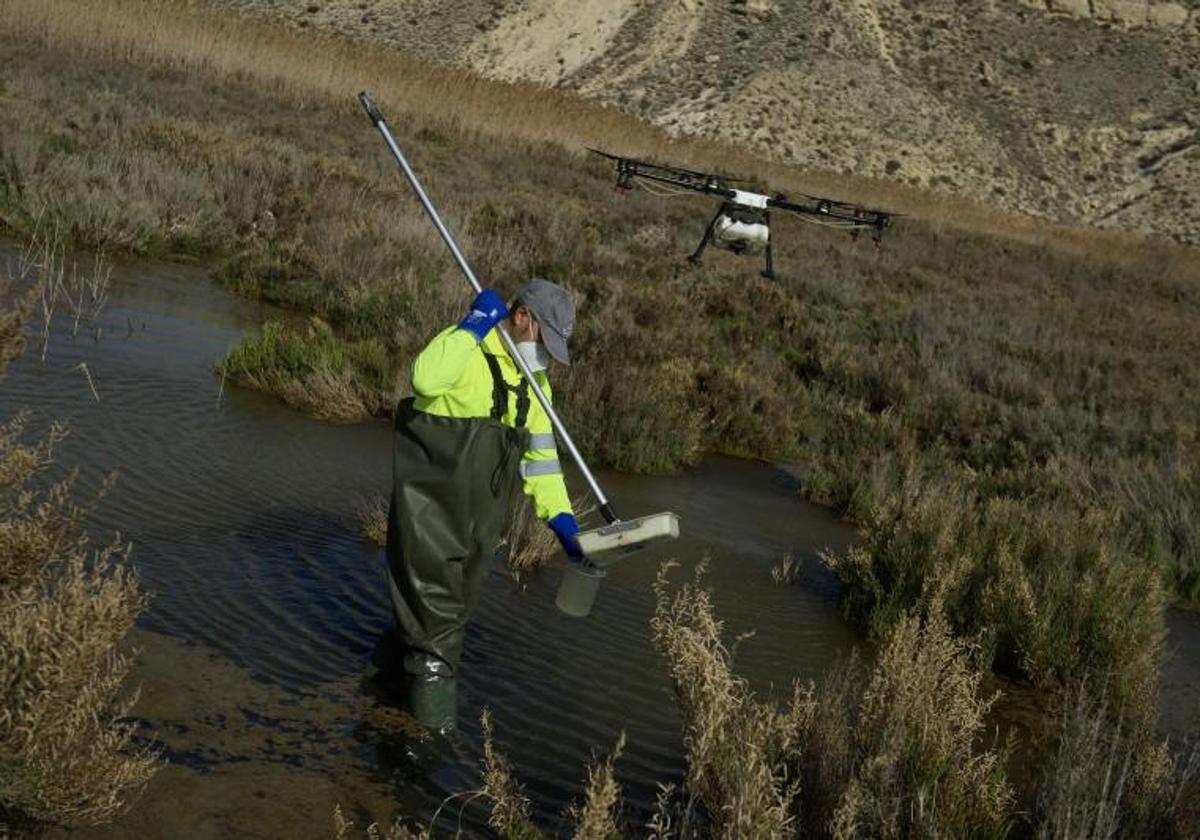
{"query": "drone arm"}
[(849, 216), (676, 181)]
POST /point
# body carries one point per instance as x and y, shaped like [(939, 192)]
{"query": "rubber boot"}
[(432, 692)]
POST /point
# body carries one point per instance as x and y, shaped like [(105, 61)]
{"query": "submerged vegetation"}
[(67, 754), (1009, 410)]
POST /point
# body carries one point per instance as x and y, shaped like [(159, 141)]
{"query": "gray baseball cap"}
[(554, 310)]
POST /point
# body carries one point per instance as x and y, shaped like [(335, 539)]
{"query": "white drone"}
[(742, 224)]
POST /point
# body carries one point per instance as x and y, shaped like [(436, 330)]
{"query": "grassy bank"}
[(1008, 409)]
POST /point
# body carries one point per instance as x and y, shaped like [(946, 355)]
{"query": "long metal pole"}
[(377, 118)]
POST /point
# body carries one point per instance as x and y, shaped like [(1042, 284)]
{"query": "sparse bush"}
[(1110, 778), (900, 755), (529, 543), (66, 755), (314, 370), (996, 565), (598, 818), (372, 516)]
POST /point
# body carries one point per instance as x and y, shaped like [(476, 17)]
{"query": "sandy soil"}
[(546, 41), (1084, 112), (244, 758)]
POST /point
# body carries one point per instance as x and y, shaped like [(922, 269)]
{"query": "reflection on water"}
[(242, 516), (1180, 685)]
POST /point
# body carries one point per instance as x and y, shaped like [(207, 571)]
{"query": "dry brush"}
[(68, 753)]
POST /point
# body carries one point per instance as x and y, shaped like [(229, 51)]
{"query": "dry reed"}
[(1111, 778), (897, 756), (397, 830), (529, 544), (787, 570), (736, 746), (598, 818), (509, 805), (372, 516), (67, 753)]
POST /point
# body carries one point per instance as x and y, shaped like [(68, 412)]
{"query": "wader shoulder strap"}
[(500, 390), (522, 403)]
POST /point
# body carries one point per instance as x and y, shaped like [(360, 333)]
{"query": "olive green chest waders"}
[(453, 487)]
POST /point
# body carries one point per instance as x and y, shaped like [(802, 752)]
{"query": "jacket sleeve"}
[(442, 362), (541, 466)]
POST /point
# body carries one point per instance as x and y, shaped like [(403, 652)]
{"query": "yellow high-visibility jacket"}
[(451, 378)]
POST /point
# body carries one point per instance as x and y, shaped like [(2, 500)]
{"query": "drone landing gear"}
[(769, 271), (737, 247), (694, 259)]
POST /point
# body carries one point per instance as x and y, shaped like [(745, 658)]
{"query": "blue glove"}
[(565, 528), (487, 311)]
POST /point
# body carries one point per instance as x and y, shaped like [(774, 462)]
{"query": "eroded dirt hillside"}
[(1080, 110)]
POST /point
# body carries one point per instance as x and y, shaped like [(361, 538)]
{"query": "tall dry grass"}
[(508, 808), (528, 543), (371, 514), (398, 829), (598, 818), (902, 752), (67, 752), (1111, 778), (737, 747), (509, 805)]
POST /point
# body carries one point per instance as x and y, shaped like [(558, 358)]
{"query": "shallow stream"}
[(268, 601)]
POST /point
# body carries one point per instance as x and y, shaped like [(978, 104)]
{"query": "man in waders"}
[(470, 435)]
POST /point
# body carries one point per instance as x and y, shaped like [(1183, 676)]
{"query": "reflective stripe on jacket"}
[(451, 378)]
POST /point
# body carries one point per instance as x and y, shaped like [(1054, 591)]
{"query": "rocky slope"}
[(1084, 111)]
